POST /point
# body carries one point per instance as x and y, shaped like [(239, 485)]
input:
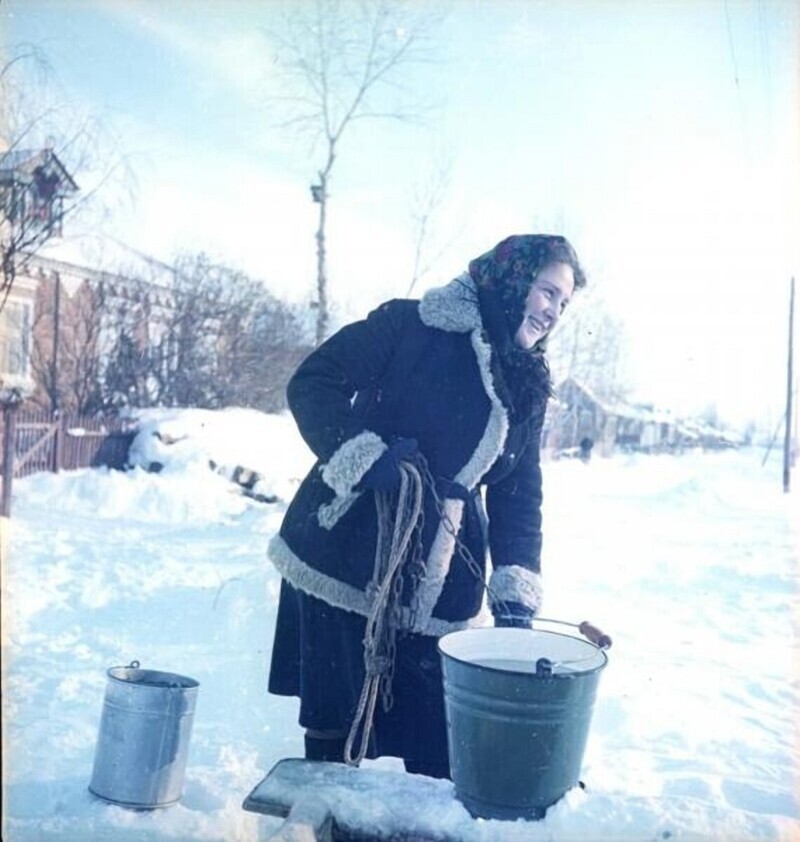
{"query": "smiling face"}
[(547, 298)]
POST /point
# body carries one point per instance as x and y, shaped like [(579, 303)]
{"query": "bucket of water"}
[(519, 704), (143, 745)]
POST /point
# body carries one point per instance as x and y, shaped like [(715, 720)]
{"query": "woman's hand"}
[(384, 475), (512, 615)]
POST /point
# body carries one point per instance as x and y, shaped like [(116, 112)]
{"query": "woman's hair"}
[(504, 277), (511, 267)]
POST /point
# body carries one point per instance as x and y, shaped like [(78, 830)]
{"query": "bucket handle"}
[(133, 665), (590, 631), (595, 635)]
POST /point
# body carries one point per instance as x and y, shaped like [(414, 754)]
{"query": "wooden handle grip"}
[(594, 634)]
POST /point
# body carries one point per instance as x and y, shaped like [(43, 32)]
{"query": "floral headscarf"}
[(504, 277), (512, 266)]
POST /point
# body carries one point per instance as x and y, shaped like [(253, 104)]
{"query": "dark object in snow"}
[(262, 498), (247, 479), (166, 438), (308, 794)]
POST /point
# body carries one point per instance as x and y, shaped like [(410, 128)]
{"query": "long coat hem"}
[(303, 577)]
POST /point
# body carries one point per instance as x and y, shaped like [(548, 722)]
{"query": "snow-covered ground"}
[(689, 562)]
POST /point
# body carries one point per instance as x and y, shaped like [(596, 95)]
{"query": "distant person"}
[(442, 396), (586, 446)]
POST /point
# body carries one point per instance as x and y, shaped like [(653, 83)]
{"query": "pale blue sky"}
[(661, 137)]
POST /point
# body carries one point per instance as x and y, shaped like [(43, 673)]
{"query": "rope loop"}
[(399, 538), (398, 552), (377, 666)]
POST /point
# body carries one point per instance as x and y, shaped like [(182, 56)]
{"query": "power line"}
[(763, 42)]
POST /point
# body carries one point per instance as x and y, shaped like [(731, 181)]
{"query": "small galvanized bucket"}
[(141, 751), (519, 703)]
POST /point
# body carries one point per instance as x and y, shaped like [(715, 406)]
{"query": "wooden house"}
[(578, 415)]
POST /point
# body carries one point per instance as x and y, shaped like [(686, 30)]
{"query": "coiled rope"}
[(395, 532), (398, 545)]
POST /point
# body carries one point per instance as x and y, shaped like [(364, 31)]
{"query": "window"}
[(15, 338)]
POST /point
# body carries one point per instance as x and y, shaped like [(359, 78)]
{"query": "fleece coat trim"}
[(455, 308), (341, 595), (344, 470), (513, 583)]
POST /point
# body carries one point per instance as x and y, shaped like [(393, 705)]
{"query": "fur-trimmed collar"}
[(453, 307)]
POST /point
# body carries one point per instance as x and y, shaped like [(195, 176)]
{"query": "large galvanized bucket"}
[(519, 704), (143, 745)]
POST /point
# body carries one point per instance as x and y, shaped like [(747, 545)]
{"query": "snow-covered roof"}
[(651, 415), (96, 255), (621, 410)]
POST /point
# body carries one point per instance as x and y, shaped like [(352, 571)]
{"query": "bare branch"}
[(336, 57), (30, 120), (428, 202)]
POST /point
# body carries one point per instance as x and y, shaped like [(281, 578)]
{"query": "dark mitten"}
[(512, 615), (384, 475)]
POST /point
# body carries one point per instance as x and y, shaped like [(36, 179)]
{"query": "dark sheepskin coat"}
[(418, 370)]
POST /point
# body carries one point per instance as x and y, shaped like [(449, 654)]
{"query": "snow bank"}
[(690, 563)]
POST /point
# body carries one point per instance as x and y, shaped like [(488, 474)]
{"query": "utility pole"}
[(787, 443)]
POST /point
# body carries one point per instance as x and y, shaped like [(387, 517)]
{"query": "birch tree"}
[(341, 62)]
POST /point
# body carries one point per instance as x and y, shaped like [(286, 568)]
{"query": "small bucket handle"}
[(590, 631)]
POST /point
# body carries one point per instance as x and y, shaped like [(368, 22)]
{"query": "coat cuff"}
[(512, 583), (345, 469)]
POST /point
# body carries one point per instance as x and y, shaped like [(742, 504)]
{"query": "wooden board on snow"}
[(323, 802)]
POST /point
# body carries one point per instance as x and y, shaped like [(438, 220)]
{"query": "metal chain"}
[(381, 630), (399, 561), (460, 546)]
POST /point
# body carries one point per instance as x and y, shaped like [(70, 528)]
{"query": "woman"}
[(457, 385)]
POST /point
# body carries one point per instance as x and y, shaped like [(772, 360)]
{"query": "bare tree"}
[(45, 140), (31, 186), (590, 346), (131, 314), (427, 205), (65, 358), (337, 56), (222, 340)]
